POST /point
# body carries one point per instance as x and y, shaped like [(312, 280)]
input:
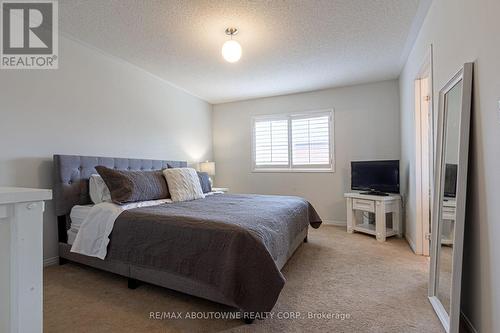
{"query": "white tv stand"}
[(380, 205), (449, 215)]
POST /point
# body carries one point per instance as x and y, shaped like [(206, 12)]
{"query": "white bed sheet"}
[(77, 216)]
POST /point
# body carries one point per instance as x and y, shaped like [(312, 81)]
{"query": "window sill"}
[(277, 170)]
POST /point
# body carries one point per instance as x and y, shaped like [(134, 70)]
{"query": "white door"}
[(424, 148), (426, 128)]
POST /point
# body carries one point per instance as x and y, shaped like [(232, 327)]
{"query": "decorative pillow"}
[(98, 190), (205, 182), (131, 186), (183, 184)]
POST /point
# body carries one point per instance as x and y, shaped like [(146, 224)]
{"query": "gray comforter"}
[(228, 242)]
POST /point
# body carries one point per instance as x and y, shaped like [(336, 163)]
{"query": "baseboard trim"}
[(50, 261), (467, 324), (410, 242), (335, 222)]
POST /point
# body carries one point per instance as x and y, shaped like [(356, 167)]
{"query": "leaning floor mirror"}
[(448, 218)]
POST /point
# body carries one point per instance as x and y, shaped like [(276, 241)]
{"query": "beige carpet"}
[(365, 285)]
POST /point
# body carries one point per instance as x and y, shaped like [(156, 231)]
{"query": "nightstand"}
[(220, 189)]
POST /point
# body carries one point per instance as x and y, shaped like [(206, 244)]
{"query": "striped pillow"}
[(131, 186), (183, 184)]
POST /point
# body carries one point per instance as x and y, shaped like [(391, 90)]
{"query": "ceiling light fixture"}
[(231, 50)]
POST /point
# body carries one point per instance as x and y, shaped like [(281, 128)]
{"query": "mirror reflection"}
[(448, 209)]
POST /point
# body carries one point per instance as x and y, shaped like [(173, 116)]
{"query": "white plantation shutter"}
[(311, 141), (294, 142), (271, 142)]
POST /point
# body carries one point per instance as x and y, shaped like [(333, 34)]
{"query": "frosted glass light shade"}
[(208, 167), (231, 51)]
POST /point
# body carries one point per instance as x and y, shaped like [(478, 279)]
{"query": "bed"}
[(225, 248)]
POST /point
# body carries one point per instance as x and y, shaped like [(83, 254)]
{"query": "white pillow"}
[(183, 184), (98, 190)]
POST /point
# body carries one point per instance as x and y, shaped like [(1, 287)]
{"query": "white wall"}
[(4, 277), (462, 31), (366, 127), (93, 104)]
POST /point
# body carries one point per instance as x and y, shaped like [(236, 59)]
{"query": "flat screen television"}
[(450, 181), (375, 176)]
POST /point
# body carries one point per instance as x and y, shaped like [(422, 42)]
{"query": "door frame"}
[(424, 153)]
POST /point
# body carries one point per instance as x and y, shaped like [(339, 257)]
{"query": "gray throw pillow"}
[(131, 186), (205, 182)]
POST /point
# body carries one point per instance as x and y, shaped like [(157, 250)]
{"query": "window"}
[(271, 142), (293, 142)]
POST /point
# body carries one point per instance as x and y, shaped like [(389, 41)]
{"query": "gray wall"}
[(366, 127), (463, 31), (94, 104)]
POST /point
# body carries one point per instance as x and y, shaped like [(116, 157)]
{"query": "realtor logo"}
[(29, 36)]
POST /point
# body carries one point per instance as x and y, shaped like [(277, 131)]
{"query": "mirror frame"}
[(451, 320)]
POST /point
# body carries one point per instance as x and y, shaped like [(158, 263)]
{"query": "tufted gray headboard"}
[(71, 176)]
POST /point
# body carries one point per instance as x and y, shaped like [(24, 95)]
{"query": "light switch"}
[(498, 111)]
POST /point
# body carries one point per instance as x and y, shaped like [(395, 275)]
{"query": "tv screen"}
[(381, 176), (450, 181)]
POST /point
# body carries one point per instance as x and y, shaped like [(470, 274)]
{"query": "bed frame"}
[(71, 187)]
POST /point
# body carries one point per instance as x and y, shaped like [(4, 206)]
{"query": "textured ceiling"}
[(288, 45)]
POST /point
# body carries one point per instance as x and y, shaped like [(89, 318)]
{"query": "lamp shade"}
[(231, 51), (208, 167)]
